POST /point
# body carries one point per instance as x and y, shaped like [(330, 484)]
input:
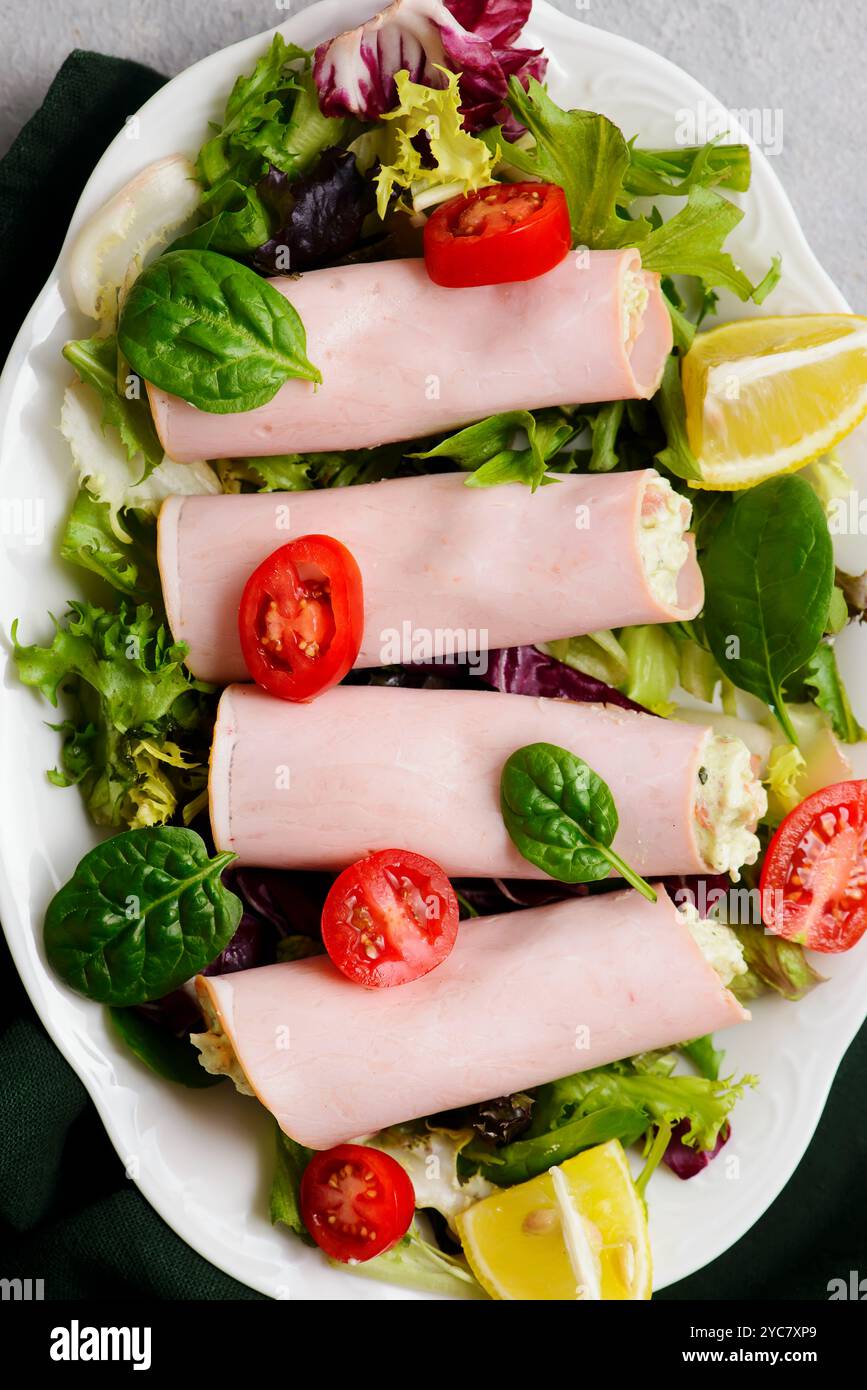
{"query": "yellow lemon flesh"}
[(765, 396), (578, 1231)]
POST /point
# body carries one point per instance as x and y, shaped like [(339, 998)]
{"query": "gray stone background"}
[(804, 57)]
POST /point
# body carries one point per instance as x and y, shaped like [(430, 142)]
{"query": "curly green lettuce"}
[(137, 736), (449, 162)]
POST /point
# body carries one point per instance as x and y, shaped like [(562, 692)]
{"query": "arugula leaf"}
[(285, 1199), (690, 243), (485, 449), (213, 332), (89, 540), (682, 327), (604, 427), (172, 1058), (132, 700), (561, 816), (822, 675), (769, 576), (654, 173), (676, 457), (96, 362), (143, 913), (583, 152), (301, 472)]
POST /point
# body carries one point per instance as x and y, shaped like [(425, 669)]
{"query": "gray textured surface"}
[(802, 59)]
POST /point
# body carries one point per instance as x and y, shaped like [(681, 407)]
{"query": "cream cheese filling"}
[(662, 543), (729, 801), (633, 305), (217, 1053), (717, 942)]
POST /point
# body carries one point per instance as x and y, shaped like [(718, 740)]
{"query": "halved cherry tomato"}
[(510, 231), (356, 1202), (814, 878), (301, 618), (390, 918)]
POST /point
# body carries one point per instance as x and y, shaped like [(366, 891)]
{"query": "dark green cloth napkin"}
[(67, 1213)]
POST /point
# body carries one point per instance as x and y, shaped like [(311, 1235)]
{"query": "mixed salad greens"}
[(334, 158)]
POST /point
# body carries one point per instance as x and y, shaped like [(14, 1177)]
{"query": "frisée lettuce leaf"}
[(450, 160), (136, 741)]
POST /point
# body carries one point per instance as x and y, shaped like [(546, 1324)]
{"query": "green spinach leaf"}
[(143, 913), (213, 332), (769, 576), (174, 1059), (561, 816)]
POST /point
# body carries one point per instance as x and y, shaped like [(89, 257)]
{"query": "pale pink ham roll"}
[(317, 786), (402, 357), (447, 569), (523, 999)]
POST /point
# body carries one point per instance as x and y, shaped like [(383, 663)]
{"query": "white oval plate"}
[(204, 1159)]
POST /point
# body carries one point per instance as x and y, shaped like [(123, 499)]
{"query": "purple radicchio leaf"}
[(248, 948), (527, 671), (683, 1159), (287, 902), (354, 72), (320, 216)]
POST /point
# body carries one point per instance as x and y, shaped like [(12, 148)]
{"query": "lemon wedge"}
[(765, 396), (578, 1231)]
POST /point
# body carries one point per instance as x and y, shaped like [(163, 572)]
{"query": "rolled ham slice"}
[(523, 999), (446, 568), (317, 786), (402, 357)]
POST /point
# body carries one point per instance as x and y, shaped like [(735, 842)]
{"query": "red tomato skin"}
[(385, 1218), (521, 252), (397, 962), (781, 912), (279, 572)]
